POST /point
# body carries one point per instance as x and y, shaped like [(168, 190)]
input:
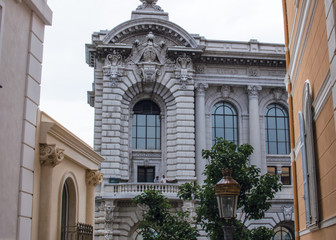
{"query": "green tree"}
[(255, 195), (159, 223)]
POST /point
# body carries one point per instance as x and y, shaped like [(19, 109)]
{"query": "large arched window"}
[(146, 127), (224, 122), (276, 128)]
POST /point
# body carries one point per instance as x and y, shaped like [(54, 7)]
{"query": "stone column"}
[(93, 178), (50, 156), (254, 126), (200, 130)]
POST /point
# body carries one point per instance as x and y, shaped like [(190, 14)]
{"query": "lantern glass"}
[(227, 205)]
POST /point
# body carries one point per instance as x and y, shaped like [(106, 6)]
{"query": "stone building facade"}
[(161, 95)]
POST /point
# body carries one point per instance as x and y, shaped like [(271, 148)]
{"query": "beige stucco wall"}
[(21, 39), (78, 159)]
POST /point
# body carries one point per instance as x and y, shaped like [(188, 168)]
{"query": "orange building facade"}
[(310, 37)]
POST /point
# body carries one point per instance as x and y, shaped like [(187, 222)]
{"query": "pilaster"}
[(200, 130), (254, 127)]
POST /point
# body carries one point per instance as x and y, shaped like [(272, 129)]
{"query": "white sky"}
[(66, 77)]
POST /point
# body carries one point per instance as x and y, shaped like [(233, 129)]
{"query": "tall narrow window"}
[(146, 127), (224, 122), (276, 128), (65, 212)]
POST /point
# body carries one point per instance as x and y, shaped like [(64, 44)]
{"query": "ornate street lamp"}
[(227, 191)]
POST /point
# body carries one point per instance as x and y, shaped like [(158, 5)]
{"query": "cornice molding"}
[(62, 134)]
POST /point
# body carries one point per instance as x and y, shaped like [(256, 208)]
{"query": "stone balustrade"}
[(130, 190)]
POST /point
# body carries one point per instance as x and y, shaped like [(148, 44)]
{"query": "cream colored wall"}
[(13, 63), (78, 158)]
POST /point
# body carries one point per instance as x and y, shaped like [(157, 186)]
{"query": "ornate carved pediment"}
[(183, 70), (149, 57), (50, 155), (113, 69), (93, 177)]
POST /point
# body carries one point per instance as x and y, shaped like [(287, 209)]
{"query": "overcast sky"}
[(66, 77)]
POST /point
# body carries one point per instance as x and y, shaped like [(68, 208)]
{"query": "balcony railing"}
[(122, 190), (79, 231)]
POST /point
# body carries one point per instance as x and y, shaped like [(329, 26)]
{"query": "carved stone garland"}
[(183, 70), (50, 155)]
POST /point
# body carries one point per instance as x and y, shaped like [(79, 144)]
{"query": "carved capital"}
[(253, 90), (50, 155), (93, 177), (200, 88)]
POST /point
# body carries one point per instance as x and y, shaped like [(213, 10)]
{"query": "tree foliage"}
[(255, 195), (159, 223)]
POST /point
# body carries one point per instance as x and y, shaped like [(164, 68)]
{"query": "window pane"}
[(228, 121), (271, 135), (158, 144), (271, 123), (280, 123), (141, 120), (285, 175), (151, 143), (134, 143), (272, 148), (229, 134), (282, 148), (150, 132), (271, 170), (219, 121), (141, 143), (281, 135), (219, 110), (141, 132), (219, 132), (151, 120)]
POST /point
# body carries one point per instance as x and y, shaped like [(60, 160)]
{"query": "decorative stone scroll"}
[(287, 211), (252, 71), (93, 177), (151, 4), (183, 70), (113, 68), (50, 155)]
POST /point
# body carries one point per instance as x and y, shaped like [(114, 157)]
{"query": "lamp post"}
[(227, 191)]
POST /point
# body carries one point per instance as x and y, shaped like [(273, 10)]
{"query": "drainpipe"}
[(291, 123)]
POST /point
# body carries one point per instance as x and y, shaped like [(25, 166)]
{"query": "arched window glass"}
[(224, 122), (282, 233), (277, 130), (146, 129)]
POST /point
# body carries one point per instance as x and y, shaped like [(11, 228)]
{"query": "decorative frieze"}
[(93, 177), (226, 91), (277, 93), (50, 155)]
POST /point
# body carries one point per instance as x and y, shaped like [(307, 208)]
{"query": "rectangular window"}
[(285, 176), (146, 174), (271, 170)]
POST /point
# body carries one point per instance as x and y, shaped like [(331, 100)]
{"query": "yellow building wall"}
[(314, 66)]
